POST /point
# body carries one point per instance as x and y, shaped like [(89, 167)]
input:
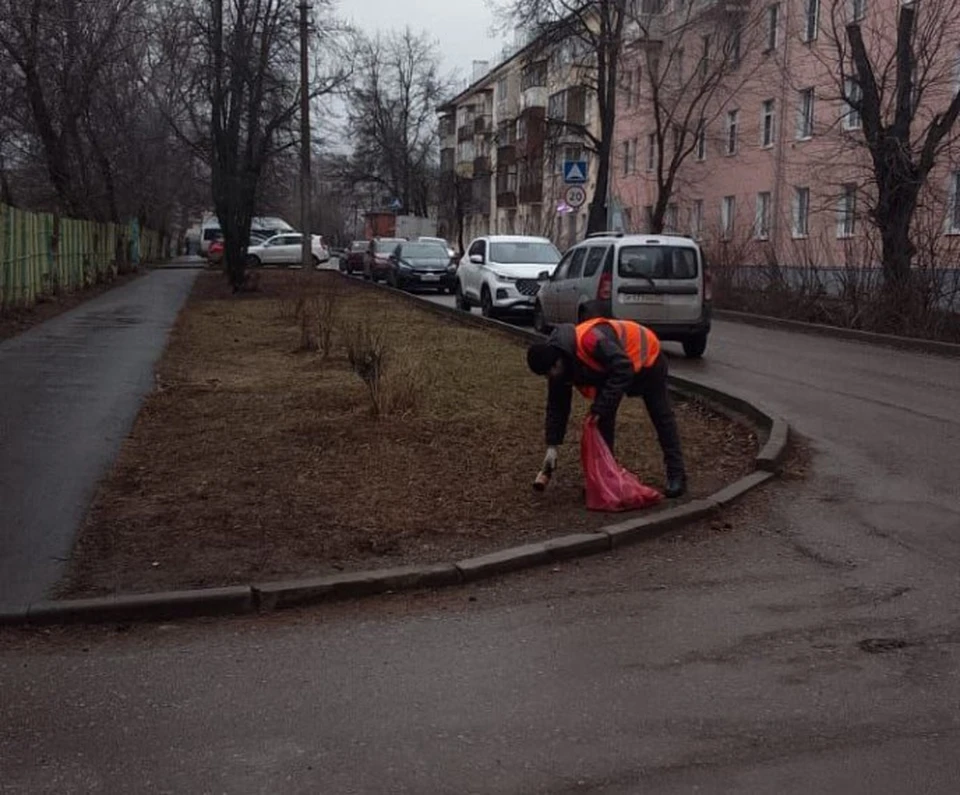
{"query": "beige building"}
[(503, 144)]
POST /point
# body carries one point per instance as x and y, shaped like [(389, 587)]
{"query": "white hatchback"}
[(502, 274), (285, 249), (660, 281)]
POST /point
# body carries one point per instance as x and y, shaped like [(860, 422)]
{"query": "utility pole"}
[(306, 256)]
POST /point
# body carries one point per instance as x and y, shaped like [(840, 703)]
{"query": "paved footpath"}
[(69, 392), (812, 645)]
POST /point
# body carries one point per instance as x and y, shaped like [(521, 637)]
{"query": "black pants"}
[(651, 384)]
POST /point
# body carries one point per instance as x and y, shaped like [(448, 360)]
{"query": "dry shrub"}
[(318, 316), (308, 311), (396, 381)]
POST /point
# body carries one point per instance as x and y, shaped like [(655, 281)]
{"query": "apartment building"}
[(503, 142), (775, 169)]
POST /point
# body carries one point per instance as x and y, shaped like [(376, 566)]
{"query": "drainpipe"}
[(780, 157)]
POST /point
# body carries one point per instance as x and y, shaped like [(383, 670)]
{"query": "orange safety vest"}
[(639, 343)]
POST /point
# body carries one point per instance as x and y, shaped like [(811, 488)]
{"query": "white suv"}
[(502, 273), (657, 280)]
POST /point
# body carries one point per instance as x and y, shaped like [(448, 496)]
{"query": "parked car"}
[(657, 280), (215, 252), (376, 259), (442, 242), (354, 257), (285, 249), (502, 273), (418, 264)]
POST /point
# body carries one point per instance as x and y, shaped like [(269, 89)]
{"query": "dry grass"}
[(254, 461)]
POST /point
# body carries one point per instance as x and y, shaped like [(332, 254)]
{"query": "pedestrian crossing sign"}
[(574, 172)]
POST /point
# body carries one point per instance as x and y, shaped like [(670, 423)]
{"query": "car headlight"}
[(506, 279), (452, 268)]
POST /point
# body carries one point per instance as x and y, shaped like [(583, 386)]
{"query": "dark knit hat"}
[(541, 357)]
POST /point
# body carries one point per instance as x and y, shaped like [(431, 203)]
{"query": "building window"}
[(696, 219), (847, 212), (639, 86), (651, 152), (762, 226), (773, 26), (627, 219), (728, 209), (733, 49), (671, 220), (805, 114), (633, 156), (801, 212), (678, 64), (767, 123), (853, 96), (858, 10), (956, 73), (648, 218), (704, 57), (702, 141), (626, 158), (811, 21), (954, 225), (733, 119)]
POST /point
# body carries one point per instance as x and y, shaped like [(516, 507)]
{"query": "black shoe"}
[(676, 486)]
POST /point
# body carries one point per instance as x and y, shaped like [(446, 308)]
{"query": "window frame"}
[(811, 21), (852, 117), (761, 228), (847, 212), (773, 27), (806, 114), (768, 111), (732, 144), (801, 212), (728, 211)]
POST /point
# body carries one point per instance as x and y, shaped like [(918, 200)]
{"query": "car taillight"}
[(605, 289), (707, 286)]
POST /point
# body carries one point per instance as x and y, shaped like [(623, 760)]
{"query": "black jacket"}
[(611, 384)]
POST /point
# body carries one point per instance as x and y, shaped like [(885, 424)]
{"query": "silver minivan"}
[(657, 280)]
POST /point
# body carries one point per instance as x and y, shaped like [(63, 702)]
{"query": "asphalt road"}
[(70, 390), (807, 643)]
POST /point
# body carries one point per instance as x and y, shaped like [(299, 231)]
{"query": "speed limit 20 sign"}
[(576, 196)]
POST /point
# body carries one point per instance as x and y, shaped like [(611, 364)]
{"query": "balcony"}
[(482, 125), (534, 97), (480, 195), (507, 189), (481, 166), (506, 155)]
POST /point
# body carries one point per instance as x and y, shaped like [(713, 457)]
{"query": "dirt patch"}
[(252, 461), (15, 321)]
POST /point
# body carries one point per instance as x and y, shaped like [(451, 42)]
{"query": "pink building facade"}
[(778, 172)]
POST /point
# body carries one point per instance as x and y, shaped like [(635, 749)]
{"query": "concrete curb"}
[(271, 596), (912, 344)]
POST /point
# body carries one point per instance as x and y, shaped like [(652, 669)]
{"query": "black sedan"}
[(425, 265)]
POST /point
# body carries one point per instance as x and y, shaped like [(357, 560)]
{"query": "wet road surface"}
[(807, 642), (69, 392)]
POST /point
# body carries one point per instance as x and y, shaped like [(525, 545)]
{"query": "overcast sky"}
[(461, 26)]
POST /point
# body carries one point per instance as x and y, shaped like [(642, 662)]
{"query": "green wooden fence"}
[(41, 254)]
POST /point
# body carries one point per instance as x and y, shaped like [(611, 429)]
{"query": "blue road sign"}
[(574, 172)]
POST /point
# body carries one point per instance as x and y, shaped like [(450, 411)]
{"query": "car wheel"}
[(253, 261), (694, 347), (392, 280), (463, 303), (316, 261), (487, 308), (539, 321)]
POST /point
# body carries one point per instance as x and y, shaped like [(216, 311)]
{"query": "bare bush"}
[(395, 383), (308, 311)]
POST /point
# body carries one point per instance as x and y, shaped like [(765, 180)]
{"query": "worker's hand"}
[(550, 460)]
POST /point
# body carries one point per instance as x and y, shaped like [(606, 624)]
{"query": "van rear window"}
[(658, 262)]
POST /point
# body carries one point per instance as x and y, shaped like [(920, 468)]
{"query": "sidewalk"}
[(70, 390)]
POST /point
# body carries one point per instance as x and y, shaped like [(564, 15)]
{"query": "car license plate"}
[(642, 298), (429, 277)]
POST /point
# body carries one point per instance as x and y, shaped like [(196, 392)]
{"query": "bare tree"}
[(593, 32), (680, 68), (232, 91), (391, 116), (897, 80)]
